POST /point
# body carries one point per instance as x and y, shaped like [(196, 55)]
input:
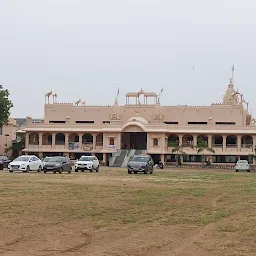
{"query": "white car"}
[(242, 165), (87, 163), (26, 163)]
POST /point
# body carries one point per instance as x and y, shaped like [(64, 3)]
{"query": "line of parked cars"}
[(139, 163), (26, 163)]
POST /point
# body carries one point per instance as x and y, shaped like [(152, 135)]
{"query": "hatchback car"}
[(57, 164), (242, 165), (25, 163), (141, 163)]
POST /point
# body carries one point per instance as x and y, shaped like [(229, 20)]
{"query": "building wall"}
[(180, 114), (9, 130)]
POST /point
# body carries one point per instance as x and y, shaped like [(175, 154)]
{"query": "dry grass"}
[(187, 212)]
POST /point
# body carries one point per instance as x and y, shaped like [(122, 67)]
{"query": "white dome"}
[(138, 119)]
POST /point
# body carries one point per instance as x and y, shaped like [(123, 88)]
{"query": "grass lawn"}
[(172, 212)]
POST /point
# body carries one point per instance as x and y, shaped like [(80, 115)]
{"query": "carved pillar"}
[(104, 159), (40, 140), (53, 140), (180, 139), (148, 141), (163, 147), (238, 144), (195, 140), (209, 140), (80, 140), (66, 141), (94, 141), (224, 143), (27, 140), (105, 141)]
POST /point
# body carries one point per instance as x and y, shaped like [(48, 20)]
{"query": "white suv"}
[(26, 163), (87, 163)]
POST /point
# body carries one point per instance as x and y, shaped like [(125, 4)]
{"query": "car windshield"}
[(242, 162), (46, 159), (22, 158), (85, 158), (55, 159), (139, 159)]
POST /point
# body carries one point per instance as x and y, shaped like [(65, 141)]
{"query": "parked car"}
[(25, 163), (4, 161), (57, 164), (87, 163), (44, 160), (242, 165), (141, 163)]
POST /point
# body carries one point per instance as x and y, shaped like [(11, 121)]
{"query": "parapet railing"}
[(204, 166)]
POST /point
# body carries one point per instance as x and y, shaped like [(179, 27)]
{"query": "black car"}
[(57, 164), (141, 163), (4, 161)]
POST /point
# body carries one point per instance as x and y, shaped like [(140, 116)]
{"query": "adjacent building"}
[(115, 132)]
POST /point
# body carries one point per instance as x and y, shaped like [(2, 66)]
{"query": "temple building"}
[(116, 132)]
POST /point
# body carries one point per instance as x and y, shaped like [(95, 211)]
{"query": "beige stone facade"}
[(7, 135), (144, 124)]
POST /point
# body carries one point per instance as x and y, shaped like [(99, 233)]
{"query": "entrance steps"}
[(123, 156)]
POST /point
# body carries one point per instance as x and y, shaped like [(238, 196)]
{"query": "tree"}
[(202, 146), (179, 151), (5, 106)]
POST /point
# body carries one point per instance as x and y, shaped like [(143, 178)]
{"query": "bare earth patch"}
[(110, 213)]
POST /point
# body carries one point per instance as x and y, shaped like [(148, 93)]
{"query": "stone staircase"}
[(122, 157)]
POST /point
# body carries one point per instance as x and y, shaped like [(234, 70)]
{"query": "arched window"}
[(155, 142), (111, 141)]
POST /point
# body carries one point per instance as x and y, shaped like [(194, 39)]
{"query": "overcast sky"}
[(89, 48)]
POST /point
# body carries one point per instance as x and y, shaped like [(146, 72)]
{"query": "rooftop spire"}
[(233, 72)]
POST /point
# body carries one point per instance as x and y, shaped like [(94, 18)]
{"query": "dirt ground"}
[(172, 212)]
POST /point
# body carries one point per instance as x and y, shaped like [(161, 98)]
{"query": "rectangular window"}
[(57, 122), (85, 122), (171, 122), (224, 159), (1, 130), (197, 122), (192, 158), (225, 123)]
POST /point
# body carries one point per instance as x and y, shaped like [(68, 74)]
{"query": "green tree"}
[(5, 106), (179, 151), (202, 146)]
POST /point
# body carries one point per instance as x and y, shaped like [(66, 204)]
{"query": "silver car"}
[(242, 165)]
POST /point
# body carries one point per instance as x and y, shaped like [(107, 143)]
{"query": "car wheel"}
[(151, 172), (40, 168), (44, 171), (236, 170), (27, 169), (135, 172), (146, 170), (10, 170), (82, 170), (248, 170), (76, 170), (97, 169), (61, 170), (129, 172), (54, 172), (1, 167), (90, 170)]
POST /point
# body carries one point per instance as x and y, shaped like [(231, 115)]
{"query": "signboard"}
[(113, 147), (73, 145)]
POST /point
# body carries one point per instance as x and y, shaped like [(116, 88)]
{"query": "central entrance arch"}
[(134, 137)]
